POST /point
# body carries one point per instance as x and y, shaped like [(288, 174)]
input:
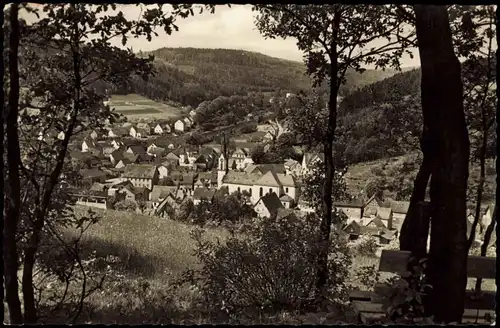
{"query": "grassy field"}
[(149, 246), (136, 107)]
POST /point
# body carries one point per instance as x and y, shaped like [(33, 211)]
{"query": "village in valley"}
[(150, 167), (249, 164)]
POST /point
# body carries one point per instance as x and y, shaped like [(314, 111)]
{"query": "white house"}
[(192, 113), (88, 144), (187, 122), (162, 171), (158, 129), (268, 205), (179, 125), (257, 182)]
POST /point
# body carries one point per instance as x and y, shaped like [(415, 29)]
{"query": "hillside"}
[(192, 75)]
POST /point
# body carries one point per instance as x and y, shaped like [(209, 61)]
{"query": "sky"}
[(231, 28)]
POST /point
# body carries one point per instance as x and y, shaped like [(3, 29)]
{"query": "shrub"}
[(367, 246), (369, 276), (125, 205), (271, 267), (249, 128)]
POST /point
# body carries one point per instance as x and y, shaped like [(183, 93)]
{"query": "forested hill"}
[(192, 75)]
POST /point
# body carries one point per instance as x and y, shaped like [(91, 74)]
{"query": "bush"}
[(367, 246), (125, 205), (271, 267), (249, 128)]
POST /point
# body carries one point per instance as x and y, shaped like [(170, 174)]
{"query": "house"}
[(399, 210), (179, 126), (173, 157), (192, 114), (145, 127), (89, 145), (139, 132), (117, 144), (281, 184), (168, 206), (136, 150), (141, 175), (285, 213), (158, 129), (387, 236), (385, 214), (167, 128), (353, 210), (159, 193), (115, 186), (353, 229), (293, 167), (188, 123), (106, 146), (162, 171), (240, 158), (268, 205), (286, 200), (377, 224), (93, 175), (372, 205), (97, 199), (135, 194), (118, 132), (308, 161), (304, 207), (116, 156), (94, 135), (200, 194)]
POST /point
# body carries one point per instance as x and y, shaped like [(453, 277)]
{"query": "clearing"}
[(136, 107)]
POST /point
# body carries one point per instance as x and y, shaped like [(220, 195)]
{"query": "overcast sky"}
[(231, 28)]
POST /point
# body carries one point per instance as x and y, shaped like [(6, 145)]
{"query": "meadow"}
[(136, 107), (153, 254)]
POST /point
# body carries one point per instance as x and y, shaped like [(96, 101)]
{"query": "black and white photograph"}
[(249, 164)]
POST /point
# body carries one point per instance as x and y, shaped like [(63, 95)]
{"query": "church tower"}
[(221, 171)]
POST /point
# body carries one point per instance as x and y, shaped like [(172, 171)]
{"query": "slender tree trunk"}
[(497, 166), (415, 228), (3, 117), (326, 222), (442, 101), (10, 256), (486, 244)]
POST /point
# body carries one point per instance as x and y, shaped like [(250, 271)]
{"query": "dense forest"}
[(190, 76)]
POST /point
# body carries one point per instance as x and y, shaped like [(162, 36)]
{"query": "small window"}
[(261, 192), (286, 190), (239, 190), (270, 190), (250, 191)]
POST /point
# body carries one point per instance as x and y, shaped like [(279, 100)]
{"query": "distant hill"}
[(191, 75)]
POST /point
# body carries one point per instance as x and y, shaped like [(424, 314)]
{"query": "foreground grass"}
[(151, 247)]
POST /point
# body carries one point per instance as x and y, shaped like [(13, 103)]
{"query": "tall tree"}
[(69, 46), (333, 38), (442, 101), (12, 193)]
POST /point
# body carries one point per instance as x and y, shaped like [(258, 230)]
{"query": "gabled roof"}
[(270, 179), (286, 213), (377, 222), (400, 207), (286, 180), (160, 192), (92, 173), (271, 202), (310, 157), (241, 178), (384, 213), (139, 171), (286, 198), (137, 149), (353, 227), (117, 155), (203, 193)]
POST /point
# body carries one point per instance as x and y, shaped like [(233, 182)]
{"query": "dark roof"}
[(242, 178), (132, 158), (272, 203), (117, 155), (137, 149), (353, 228), (139, 171), (203, 193), (92, 173), (354, 203)]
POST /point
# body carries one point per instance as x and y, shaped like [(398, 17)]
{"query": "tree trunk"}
[(326, 222), (486, 243), (12, 194), (415, 228), (442, 101), (497, 166)]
